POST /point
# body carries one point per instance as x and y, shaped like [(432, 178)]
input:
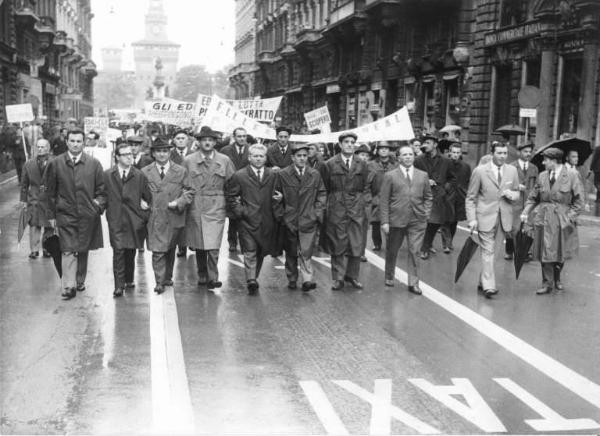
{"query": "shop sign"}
[(513, 33)]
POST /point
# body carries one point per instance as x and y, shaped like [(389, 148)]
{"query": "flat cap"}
[(525, 145), (427, 136), (362, 148), (345, 135), (135, 139), (283, 129), (553, 153), (180, 131), (299, 146)]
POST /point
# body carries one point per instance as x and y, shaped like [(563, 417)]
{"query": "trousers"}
[(376, 234), (232, 232), (206, 262), (430, 232), (488, 249), (253, 260), (35, 236), (123, 266), (448, 232), (414, 233), (551, 273), (341, 268), (162, 265), (298, 255), (74, 268)]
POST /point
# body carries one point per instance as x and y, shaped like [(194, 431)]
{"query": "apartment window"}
[(512, 12), (570, 95), (533, 72), (503, 95), (452, 100)]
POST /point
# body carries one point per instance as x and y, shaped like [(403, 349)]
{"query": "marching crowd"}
[(170, 196)]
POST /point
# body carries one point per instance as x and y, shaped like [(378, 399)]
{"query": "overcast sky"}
[(204, 28)]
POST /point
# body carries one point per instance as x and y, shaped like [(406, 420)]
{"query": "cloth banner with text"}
[(169, 111), (263, 110)]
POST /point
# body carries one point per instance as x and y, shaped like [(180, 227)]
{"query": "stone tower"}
[(155, 45), (112, 59)]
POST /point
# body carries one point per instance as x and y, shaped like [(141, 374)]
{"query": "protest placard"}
[(169, 111), (97, 124), (317, 118), (19, 113)]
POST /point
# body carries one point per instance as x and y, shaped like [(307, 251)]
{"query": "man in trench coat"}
[(346, 179), (76, 198), (249, 199), (127, 212), (33, 197), (170, 199), (208, 172), (300, 197), (441, 180), (558, 199)]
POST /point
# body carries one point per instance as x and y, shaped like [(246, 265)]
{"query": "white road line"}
[(558, 372), (235, 262), (323, 408), (10, 179)]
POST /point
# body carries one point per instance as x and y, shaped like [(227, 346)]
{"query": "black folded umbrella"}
[(523, 243), (465, 255), (52, 245)]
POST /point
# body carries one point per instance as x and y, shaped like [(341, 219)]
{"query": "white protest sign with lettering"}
[(258, 109), (19, 113), (317, 118), (170, 111), (97, 124)]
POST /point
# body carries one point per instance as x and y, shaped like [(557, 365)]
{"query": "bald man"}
[(33, 196)]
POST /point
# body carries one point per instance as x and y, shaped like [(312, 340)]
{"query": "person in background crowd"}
[(127, 211), (140, 160), (15, 147), (76, 198), (383, 163), (208, 172), (405, 202), (182, 149), (250, 200), (489, 205), (441, 180), (170, 198), (528, 174), (416, 146), (33, 197), (59, 144), (595, 171), (556, 200), (315, 158), (279, 155), (462, 175), (238, 153), (363, 153), (33, 132), (572, 162), (300, 200), (346, 179)]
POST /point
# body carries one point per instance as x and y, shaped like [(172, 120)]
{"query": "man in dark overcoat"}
[(315, 159), (249, 199), (140, 159), (346, 179), (300, 197), (33, 197), (76, 198), (127, 212), (462, 174), (279, 155), (238, 153), (441, 180), (170, 198)]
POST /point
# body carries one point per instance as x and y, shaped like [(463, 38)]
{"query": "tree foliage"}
[(114, 90), (192, 80)]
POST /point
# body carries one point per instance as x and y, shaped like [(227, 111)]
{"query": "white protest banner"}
[(170, 111), (258, 109), (113, 134), (19, 113), (317, 118), (97, 124)]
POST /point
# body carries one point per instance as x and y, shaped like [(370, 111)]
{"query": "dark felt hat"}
[(363, 148), (160, 144), (178, 131), (206, 132), (283, 129)]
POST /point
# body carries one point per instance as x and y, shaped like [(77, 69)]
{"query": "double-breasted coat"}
[(165, 225), (348, 192), (207, 177), (377, 170), (462, 175), (33, 192), (71, 191), (275, 158), (125, 217), (554, 210), (250, 201), (438, 168)]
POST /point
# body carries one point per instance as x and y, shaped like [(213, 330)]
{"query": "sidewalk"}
[(7, 175)]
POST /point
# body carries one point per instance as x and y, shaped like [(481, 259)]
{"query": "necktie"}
[(259, 174), (301, 172), (240, 151), (525, 166), (552, 178), (348, 163), (499, 175), (162, 173), (124, 175), (282, 150), (408, 175)]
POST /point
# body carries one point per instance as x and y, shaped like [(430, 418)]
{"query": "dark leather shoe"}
[(252, 287), (168, 283), (363, 258), (377, 248), (337, 285), (479, 288), (432, 250), (355, 283), (415, 289), (159, 289), (181, 253), (389, 283), (488, 293), (202, 281), (559, 286), (34, 254), (118, 292), (68, 294), (308, 286), (213, 284), (447, 250), (508, 257), (544, 290), (130, 285), (292, 285), (46, 254), (80, 287), (424, 255), (141, 251)]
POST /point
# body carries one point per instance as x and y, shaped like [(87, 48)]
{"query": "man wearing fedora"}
[(528, 174), (558, 198), (208, 172), (170, 199), (279, 155), (346, 179)]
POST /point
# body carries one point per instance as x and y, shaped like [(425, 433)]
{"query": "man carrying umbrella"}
[(170, 198), (33, 197), (76, 198), (279, 155), (300, 201), (558, 199), (493, 188), (208, 173), (347, 181)]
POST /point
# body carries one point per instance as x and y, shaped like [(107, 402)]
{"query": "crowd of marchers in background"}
[(171, 192)]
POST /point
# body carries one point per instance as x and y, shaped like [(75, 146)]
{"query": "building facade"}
[(449, 61), (45, 57), (147, 51), (242, 75)]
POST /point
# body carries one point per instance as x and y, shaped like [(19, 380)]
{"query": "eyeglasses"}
[(125, 154)]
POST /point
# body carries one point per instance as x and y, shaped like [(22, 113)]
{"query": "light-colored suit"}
[(492, 210), (406, 206)]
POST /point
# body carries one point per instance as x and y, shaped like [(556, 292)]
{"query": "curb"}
[(10, 179)]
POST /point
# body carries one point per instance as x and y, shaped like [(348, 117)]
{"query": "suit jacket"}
[(231, 151), (527, 179), (401, 202), (276, 159), (145, 160), (439, 168), (484, 198), (176, 157)]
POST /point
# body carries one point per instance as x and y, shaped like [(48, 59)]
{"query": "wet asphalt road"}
[(353, 362)]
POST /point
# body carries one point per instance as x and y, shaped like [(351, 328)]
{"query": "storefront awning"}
[(428, 79)]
